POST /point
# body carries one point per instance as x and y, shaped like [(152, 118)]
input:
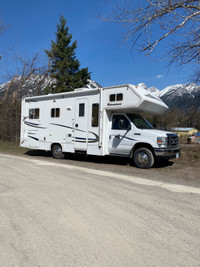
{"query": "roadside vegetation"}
[(12, 148), (190, 153)]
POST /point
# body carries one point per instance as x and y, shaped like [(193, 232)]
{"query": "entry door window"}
[(81, 110)]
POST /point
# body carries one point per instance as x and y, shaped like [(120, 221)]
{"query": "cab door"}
[(120, 136)]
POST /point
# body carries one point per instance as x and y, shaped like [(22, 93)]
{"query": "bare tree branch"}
[(28, 70), (177, 21)]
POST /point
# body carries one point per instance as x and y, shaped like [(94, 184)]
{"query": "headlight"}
[(162, 141)]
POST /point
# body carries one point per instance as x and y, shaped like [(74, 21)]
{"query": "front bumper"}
[(167, 152)]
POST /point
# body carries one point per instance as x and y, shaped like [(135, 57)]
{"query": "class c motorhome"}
[(102, 121)]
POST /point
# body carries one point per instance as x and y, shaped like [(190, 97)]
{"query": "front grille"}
[(173, 140)]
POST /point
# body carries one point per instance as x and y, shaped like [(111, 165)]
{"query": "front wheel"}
[(143, 158), (57, 151)]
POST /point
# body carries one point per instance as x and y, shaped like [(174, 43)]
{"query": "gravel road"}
[(58, 214)]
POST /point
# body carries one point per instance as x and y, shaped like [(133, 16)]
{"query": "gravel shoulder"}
[(184, 171)]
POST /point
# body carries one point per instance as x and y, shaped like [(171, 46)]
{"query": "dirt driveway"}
[(185, 170), (57, 213)]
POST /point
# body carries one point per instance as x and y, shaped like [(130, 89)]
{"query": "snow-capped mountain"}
[(181, 96), (33, 85), (25, 86)]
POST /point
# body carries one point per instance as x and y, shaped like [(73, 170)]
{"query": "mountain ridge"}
[(179, 96)]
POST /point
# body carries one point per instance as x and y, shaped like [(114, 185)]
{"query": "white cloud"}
[(159, 76)]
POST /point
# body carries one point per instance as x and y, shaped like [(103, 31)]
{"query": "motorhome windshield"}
[(139, 121)]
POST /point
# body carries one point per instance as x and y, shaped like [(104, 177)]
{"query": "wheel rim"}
[(142, 159), (57, 151)]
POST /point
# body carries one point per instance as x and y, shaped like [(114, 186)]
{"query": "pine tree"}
[(65, 68)]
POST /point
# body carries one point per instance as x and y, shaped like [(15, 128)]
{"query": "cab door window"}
[(120, 122)]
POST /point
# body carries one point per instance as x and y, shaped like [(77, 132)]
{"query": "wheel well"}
[(54, 145), (139, 145)]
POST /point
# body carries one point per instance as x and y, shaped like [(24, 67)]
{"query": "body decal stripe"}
[(35, 125), (80, 139), (36, 139)]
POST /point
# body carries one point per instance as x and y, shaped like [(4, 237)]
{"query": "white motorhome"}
[(103, 121)]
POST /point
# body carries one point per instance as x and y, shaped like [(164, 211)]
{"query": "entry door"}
[(81, 125), (120, 137)]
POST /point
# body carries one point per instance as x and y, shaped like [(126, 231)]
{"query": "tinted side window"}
[(112, 97), (34, 113), (95, 115), (55, 112), (116, 97), (119, 97)]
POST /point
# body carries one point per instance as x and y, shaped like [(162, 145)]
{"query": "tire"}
[(57, 152), (143, 158)]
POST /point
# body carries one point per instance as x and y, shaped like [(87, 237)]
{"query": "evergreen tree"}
[(65, 68)]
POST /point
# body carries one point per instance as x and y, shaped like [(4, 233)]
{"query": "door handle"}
[(76, 125), (117, 136)]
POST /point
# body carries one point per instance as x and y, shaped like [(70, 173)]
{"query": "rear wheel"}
[(57, 151), (143, 158)]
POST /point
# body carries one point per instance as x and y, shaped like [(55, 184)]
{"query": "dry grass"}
[(12, 148), (190, 154)]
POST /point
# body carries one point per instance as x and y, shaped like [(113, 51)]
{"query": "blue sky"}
[(32, 26)]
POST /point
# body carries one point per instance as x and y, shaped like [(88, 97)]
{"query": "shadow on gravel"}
[(38, 153), (123, 161), (82, 157), (163, 163)]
